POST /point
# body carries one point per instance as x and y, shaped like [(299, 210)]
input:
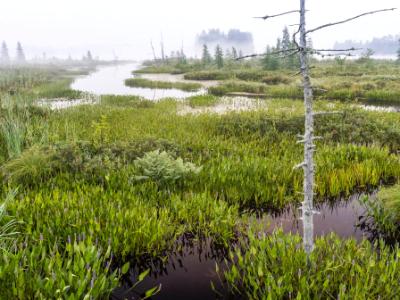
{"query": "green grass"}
[(145, 83), (57, 89), (238, 87), (384, 212), (202, 100)]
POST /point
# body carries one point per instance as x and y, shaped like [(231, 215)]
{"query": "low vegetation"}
[(145, 83), (383, 213), (125, 179), (275, 267)]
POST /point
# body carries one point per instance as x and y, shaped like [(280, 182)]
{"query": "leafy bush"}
[(91, 161), (163, 169), (274, 267)]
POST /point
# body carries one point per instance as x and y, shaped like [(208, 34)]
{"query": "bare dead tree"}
[(308, 138), (162, 48), (152, 49)]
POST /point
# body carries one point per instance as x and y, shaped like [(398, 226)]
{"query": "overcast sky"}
[(126, 27)]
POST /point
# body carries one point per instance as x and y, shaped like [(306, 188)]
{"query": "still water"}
[(189, 271), (109, 80)]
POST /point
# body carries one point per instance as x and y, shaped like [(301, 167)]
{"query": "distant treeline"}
[(234, 38), (387, 45)]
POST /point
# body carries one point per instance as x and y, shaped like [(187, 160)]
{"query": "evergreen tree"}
[(20, 53), (206, 57), (398, 53), (228, 54), (290, 61), (270, 60), (182, 57), (219, 57), (89, 56), (278, 44), (234, 53), (5, 58), (310, 44), (286, 42)]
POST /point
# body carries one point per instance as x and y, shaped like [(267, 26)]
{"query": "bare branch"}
[(348, 20), (286, 51), (332, 54), (337, 50), (278, 15), (299, 166), (294, 37)]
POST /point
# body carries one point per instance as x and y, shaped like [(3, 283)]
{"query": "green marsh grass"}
[(275, 267), (79, 194), (383, 213), (202, 100), (146, 83)]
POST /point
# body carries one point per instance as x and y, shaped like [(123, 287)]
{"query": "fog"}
[(125, 28)]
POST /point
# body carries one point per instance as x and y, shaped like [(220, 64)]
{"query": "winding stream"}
[(110, 80)]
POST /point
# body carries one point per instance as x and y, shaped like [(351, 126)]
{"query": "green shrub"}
[(91, 161), (163, 169)]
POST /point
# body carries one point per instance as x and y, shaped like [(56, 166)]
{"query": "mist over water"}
[(108, 80)]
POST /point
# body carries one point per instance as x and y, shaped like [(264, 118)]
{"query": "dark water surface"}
[(341, 217), (192, 267)]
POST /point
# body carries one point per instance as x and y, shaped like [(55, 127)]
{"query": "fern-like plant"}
[(163, 169)]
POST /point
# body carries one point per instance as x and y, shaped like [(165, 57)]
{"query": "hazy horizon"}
[(124, 28)]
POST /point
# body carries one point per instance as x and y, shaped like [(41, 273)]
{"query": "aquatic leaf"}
[(125, 268)]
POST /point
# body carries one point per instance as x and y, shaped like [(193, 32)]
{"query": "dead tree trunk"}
[(308, 139)]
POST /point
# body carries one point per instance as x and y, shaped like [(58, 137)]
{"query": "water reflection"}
[(190, 269), (109, 80), (342, 218)]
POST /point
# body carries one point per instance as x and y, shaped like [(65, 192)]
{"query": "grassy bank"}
[(145, 83)]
